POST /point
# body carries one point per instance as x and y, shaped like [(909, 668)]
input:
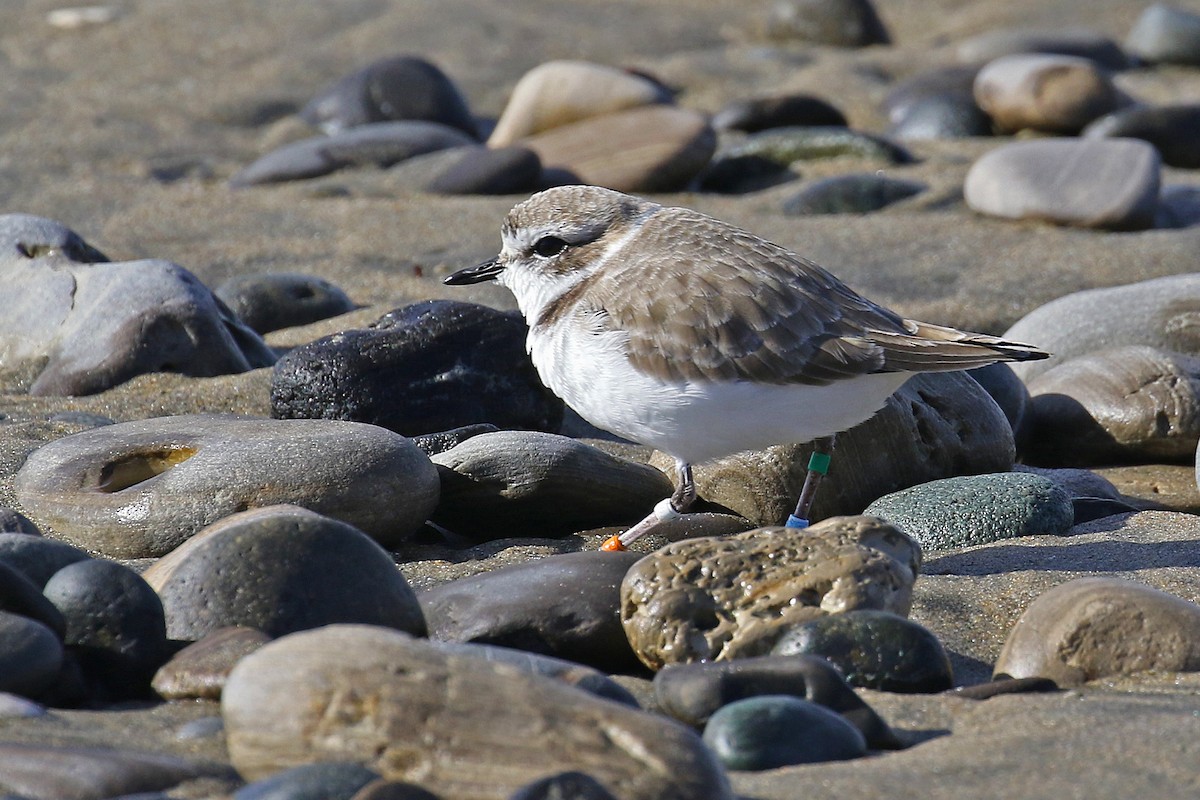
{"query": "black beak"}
[(479, 273)]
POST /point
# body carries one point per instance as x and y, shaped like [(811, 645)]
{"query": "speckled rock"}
[(525, 483), (565, 605), (282, 299), (1054, 93), (281, 569), (647, 149), (485, 170), (433, 443), (1092, 628), (1076, 41), (1119, 404), (780, 111), (199, 670), (783, 146), (31, 655), (1165, 34), (72, 327), (840, 23), (874, 649), (558, 93), (1162, 312), (977, 509), (1171, 129), (772, 731), (850, 194), (426, 367), (721, 598), (935, 426), (458, 726), (1091, 183), (692, 693), (143, 488), (387, 90)]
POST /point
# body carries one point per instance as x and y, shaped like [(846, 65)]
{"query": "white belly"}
[(699, 421)]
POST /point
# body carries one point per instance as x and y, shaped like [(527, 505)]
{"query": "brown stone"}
[(200, 669), (1054, 93)]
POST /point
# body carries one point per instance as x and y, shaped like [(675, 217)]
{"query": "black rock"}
[(427, 367), (505, 170), (744, 174), (31, 656), (947, 116), (838, 23), (433, 443), (12, 521), (950, 83), (321, 781), (1173, 130), (19, 595), (874, 649), (564, 786), (1009, 392), (282, 300), (772, 731), (1091, 508), (850, 194), (761, 113), (391, 89)]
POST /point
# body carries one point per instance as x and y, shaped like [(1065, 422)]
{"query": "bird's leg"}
[(818, 465), (675, 506)]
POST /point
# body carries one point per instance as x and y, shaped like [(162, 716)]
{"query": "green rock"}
[(772, 731)]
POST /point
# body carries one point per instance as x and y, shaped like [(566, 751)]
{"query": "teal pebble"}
[(772, 731), (977, 509)]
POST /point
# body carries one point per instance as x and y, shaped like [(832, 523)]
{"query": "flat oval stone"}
[(713, 599), (281, 569), (850, 194), (781, 111), (565, 605), (46, 770), (36, 557), (1091, 628), (976, 509), (839, 23), (558, 93), (1119, 404), (1162, 313), (1078, 42), (692, 693), (497, 485), (1054, 93), (200, 669), (31, 655), (774, 731), (140, 489), (426, 367), (504, 170), (282, 300), (1171, 129), (390, 89), (1089, 183), (1165, 34), (784, 146), (647, 149), (875, 650), (322, 781), (457, 726)]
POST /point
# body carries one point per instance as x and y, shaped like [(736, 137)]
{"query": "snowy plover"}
[(681, 332)]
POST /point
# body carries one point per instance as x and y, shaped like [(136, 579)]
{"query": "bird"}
[(676, 330)]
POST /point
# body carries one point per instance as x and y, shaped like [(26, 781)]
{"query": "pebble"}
[(380, 144), (393, 790), (140, 489), (1009, 392), (850, 194), (277, 300), (1117, 405), (423, 368), (1091, 628), (564, 786), (647, 149), (36, 557), (772, 731), (36, 770), (457, 726), (1165, 34), (391, 89), (970, 510), (784, 146), (503, 170), (527, 483), (64, 332), (334, 780), (1003, 686), (714, 599), (1161, 312), (115, 624), (1053, 93), (1179, 207), (1090, 183), (692, 693), (941, 117), (874, 649), (433, 443), (563, 605), (837, 23), (1172, 129), (199, 670), (1078, 42), (558, 93), (780, 111), (19, 595), (77, 17), (31, 656), (281, 569), (12, 521), (956, 82), (743, 174), (935, 426)]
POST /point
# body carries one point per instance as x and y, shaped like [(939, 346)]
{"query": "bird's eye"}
[(549, 246)]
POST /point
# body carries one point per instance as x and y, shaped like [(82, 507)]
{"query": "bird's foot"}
[(663, 512)]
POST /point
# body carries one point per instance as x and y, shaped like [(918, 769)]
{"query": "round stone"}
[(1165, 34), (875, 650), (840, 23), (282, 300), (1171, 129), (323, 781), (774, 731), (12, 521), (782, 111), (37, 557), (950, 82), (19, 595), (1009, 392), (31, 656), (941, 117), (1091, 628), (142, 488), (1091, 183), (850, 194), (504, 170), (426, 367), (281, 569), (1059, 94), (977, 509)]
